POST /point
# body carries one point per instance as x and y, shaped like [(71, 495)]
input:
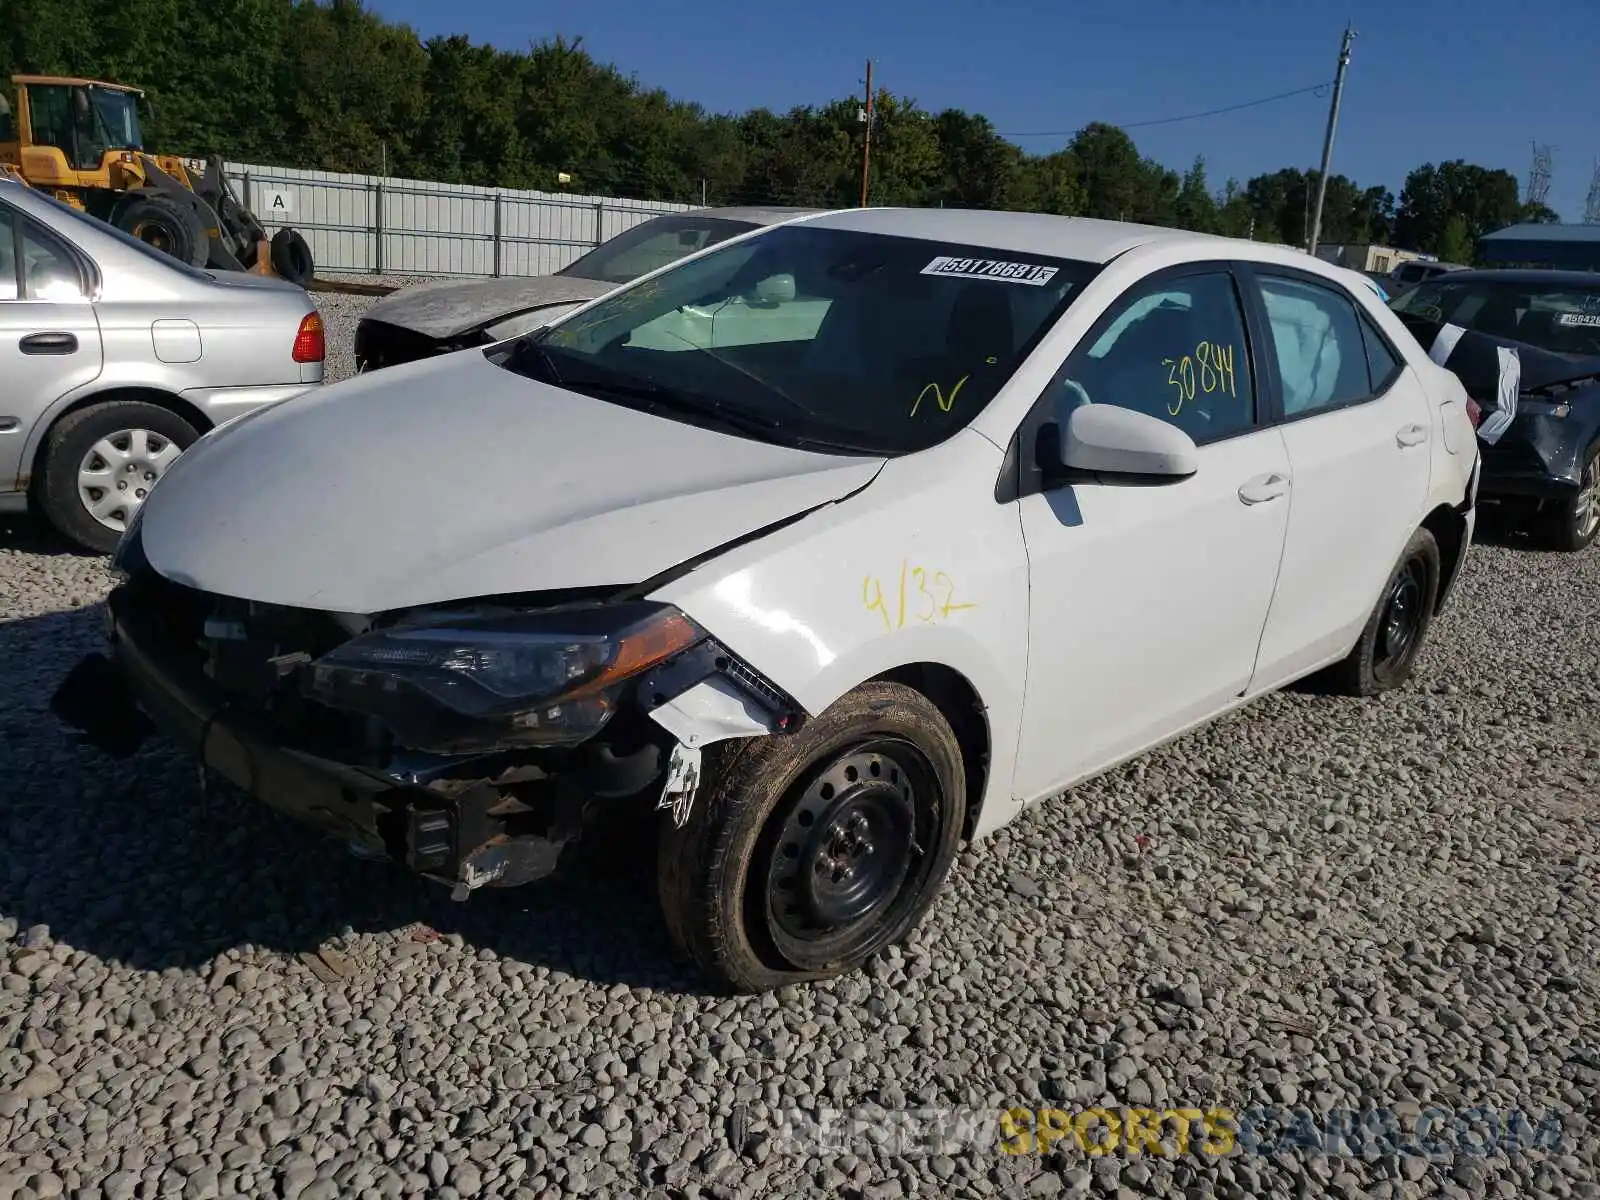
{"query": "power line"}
[(1319, 88)]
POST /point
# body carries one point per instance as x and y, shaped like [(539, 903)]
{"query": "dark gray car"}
[(438, 318)]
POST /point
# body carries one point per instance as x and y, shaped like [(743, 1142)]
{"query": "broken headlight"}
[(476, 683)]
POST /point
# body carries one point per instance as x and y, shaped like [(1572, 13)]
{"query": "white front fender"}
[(921, 567)]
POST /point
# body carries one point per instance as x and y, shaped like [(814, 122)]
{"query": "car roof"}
[(1527, 275), (1086, 239)]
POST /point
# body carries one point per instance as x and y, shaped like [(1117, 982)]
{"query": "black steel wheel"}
[(1401, 625), (806, 854), (839, 857), (1386, 652)]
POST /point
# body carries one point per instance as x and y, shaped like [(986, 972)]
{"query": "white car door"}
[(49, 337), (1147, 601), (1359, 429)]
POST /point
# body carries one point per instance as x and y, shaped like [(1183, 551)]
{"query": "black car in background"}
[(1526, 346)]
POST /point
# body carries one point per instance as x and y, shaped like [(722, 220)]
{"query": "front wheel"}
[(1394, 633), (805, 855)]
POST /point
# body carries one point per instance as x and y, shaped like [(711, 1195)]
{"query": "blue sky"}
[(1428, 81)]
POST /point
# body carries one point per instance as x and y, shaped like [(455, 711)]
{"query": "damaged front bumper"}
[(1540, 457), (500, 818)]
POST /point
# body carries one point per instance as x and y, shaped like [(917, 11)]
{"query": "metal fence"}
[(384, 226)]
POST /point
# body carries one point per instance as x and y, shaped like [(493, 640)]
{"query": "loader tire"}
[(291, 257), (165, 225)]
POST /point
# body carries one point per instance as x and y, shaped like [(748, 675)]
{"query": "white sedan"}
[(823, 550)]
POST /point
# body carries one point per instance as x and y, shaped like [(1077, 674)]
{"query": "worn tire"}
[(1563, 528), (712, 874), (71, 440), (165, 225), (291, 257), (1365, 671)]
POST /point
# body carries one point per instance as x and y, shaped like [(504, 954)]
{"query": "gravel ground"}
[(1317, 902)]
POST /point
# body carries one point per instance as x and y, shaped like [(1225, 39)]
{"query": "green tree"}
[(1484, 199), (1113, 173), (1456, 244), (1196, 208)]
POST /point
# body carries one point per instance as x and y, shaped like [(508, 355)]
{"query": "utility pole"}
[(866, 142), (1327, 142)]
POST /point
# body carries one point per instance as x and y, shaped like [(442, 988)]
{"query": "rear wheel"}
[(806, 855), (1394, 633), (101, 462), (1572, 525), (165, 225)]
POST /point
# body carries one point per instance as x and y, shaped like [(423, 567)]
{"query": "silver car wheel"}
[(1587, 514), (119, 471)]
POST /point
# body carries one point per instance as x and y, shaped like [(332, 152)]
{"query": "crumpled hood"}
[(451, 479), (449, 309)]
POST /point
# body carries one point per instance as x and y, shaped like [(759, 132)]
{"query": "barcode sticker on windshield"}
[(990, 268), (1589, 319)]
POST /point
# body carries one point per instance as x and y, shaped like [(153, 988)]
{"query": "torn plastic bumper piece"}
[(467, 833)]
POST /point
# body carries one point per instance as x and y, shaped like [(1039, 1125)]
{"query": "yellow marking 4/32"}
[(921, 595), (1209, 369), (945, 403)]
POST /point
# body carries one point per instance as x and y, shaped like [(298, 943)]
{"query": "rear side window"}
[(1322, 357), (8, 256), (1383, 365), (48, 271)]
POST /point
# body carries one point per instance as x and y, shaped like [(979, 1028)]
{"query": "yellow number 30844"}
[(1209, 369)]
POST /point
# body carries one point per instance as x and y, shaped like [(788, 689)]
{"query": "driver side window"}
[(1172, 348), (9, 283)]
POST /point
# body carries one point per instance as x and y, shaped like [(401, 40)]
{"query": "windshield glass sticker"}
[(990, 268)]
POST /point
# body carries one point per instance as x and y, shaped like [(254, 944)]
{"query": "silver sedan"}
[(115, 358)]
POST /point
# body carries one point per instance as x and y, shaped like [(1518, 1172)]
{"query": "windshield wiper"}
[(656, 398), (531, 349)]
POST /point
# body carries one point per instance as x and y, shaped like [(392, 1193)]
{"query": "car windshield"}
[(118, 115), (651, 245), (1559, 316), (845, 341)]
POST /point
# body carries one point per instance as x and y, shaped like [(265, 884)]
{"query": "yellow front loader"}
[(81, 141)]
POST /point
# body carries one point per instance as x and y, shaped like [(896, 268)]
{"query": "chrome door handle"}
[(1263, 488), (1412, 435)]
